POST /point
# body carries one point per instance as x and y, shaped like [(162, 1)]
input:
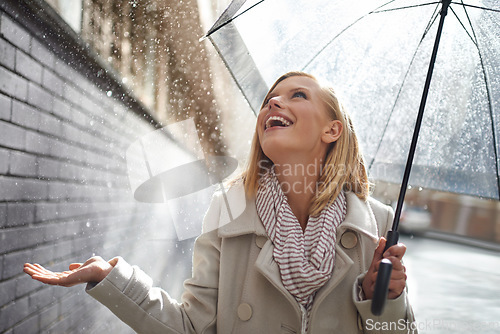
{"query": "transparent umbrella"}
[(390, 61)]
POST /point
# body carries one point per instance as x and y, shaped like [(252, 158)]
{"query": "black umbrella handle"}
[(383, 277)]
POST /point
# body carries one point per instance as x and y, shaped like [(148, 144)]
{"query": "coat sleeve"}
[(129, 293), (397, 317)]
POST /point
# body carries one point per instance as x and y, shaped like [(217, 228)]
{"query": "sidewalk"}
[(453, 288)]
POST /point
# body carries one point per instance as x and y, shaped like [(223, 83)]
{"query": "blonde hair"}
[(343, 168)]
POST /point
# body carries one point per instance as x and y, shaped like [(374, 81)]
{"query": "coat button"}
[(260, 241), (244, 312), (349, 240)]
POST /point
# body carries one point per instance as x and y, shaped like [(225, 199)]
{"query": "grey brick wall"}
[(64, 189)]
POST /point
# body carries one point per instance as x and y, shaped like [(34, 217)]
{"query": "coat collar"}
[(248, 222), (359, 218)]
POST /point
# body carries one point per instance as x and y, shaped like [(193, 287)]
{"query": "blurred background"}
[(82, 81)]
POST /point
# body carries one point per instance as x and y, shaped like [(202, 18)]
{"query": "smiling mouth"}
[(276, 121)]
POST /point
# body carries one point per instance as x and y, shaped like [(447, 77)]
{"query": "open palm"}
[(93, 270)]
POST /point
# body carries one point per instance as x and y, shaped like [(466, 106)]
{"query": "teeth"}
[(277, 118)]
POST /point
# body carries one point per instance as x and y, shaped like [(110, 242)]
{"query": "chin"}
[(277, 149)]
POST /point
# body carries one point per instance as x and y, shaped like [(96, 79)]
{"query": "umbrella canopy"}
[(376, 54)]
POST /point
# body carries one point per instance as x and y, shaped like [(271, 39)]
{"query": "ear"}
[(332, 132)]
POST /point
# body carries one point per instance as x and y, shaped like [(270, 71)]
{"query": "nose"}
[(275, 102)]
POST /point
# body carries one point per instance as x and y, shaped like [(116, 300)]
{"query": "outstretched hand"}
[(93, 270), (398, 275)]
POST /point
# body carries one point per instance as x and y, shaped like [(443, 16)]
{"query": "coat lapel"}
[(248, 222), (268, 267), (359, 218)]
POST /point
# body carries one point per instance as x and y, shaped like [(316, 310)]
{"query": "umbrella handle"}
[(383, 277)]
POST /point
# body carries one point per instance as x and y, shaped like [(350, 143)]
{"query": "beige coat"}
[(236, 285)]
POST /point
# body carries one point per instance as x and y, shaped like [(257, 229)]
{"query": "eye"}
[(299, 94)]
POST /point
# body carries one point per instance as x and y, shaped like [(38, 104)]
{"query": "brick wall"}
[(64, 190)]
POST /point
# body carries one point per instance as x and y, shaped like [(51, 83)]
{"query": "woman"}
[(301, 258)]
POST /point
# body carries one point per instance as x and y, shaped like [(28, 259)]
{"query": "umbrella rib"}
[(249, 8), (433, 19), (478, 7), (405, 7), (217, 27), (463, 26), (431, 22), (490, 103)]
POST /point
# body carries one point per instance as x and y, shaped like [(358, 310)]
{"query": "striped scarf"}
[(305, 259)]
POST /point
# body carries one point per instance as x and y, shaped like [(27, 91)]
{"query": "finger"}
[(66, 278), (397, 267), (51, 279), (41, 274), (40, 269), (34, 269), (396, 288), (397, 250), (28, 269), (93, 259), (74, 266), (398, 275), (380, 248), (28, 266), (397, 264), (377, 255)]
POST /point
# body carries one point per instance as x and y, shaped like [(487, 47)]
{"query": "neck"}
[(298, 182)]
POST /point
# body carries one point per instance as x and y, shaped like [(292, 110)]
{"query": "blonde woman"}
[(301, 258)]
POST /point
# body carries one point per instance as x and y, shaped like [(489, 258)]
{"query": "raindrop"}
[(87, 224), (109, 93), (420, 189), (409, 187)]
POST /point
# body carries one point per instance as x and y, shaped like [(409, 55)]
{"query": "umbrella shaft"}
[(418, 123)]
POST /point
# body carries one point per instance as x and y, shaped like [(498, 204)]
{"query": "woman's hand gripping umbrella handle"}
[(383, 277)]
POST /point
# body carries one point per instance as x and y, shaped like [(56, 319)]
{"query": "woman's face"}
[(294, 121)]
